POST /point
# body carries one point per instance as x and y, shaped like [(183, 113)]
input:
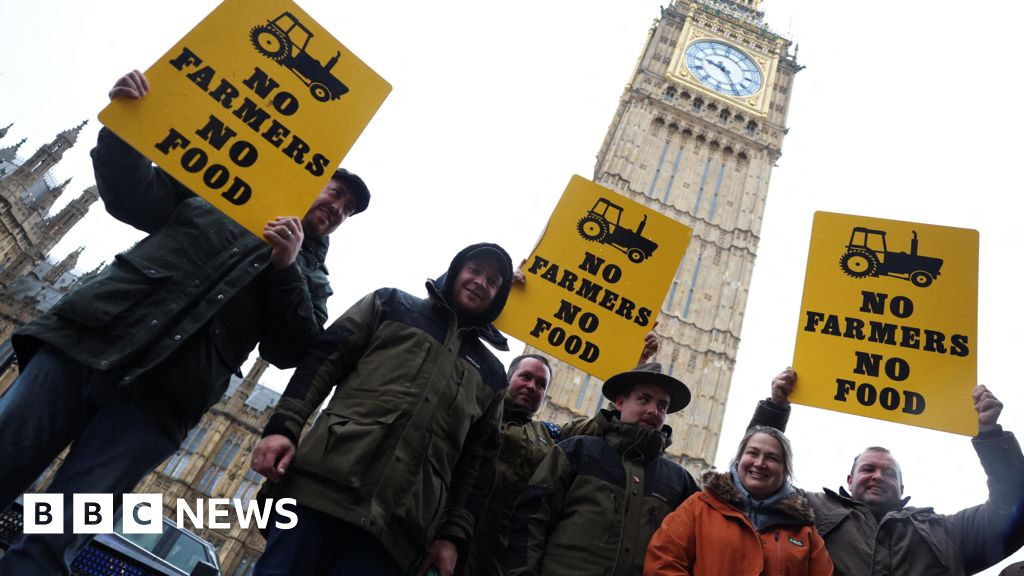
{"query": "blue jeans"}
[(324, 545), (54, 402)]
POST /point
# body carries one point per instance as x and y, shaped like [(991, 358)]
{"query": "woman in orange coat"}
[(749, 521)]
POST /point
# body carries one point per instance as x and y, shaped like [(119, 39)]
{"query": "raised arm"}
[(133, 191), (991, 531), (774, 411)]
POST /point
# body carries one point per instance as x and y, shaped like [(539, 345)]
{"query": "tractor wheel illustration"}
[(320, 92), (635, 255), (592, 228), (921, 279), (858, 264), (270, 41)]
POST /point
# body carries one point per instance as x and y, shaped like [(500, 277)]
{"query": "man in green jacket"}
[(128, 362), (524, 443), (393, 473), (593, 504), (870, 530)]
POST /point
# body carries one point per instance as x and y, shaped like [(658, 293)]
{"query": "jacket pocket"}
[(347, 448), (123, 284), (439, 482)]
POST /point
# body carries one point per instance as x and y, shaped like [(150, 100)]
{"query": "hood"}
[(444, 288)]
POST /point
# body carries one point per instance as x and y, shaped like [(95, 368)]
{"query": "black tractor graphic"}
[(602, 224), (284, 40), (867, 255)]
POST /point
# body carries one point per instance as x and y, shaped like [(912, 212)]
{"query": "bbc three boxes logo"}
[(141, 513)]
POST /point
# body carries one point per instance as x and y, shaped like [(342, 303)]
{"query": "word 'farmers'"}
[(242, 153), (570, 314), (896, 369)]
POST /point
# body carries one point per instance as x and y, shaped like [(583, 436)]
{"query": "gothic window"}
[(670, 94), (751, 127), (221, 462), (723, 115), (176, 464), (250, 484), (697, 104)]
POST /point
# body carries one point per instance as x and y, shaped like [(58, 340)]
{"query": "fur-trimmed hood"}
[(795, 506)]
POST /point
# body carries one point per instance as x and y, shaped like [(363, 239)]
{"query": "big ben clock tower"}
[(696, 134)]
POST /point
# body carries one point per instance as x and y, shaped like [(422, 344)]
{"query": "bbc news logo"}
[(143, 513)]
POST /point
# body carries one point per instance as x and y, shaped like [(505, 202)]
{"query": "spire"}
[(57, 226), (44, 201), (63, 267), (3, 131), (33, 169), (71, 134), (8, 154)]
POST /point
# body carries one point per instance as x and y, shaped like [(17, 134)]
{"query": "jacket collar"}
[(316, 245), (791, 505), (634, 441), (515, 414), (606, 416)]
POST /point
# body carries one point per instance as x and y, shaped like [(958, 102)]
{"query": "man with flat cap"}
[(594, 502), (126, 364)]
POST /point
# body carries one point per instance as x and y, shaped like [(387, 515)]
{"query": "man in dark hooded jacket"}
[(399, 461), (123, 366)]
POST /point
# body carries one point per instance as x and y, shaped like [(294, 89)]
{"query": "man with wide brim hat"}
[(650, 373), (613, 489)]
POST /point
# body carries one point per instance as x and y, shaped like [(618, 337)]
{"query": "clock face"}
[(723, 68)]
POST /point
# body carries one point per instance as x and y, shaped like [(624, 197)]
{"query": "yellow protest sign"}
[(596, 279), (888, 323), (252, 110)]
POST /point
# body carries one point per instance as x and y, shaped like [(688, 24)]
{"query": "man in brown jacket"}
[(870, 530)]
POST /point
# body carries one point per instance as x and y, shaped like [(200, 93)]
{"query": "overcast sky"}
[(906, 110)]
